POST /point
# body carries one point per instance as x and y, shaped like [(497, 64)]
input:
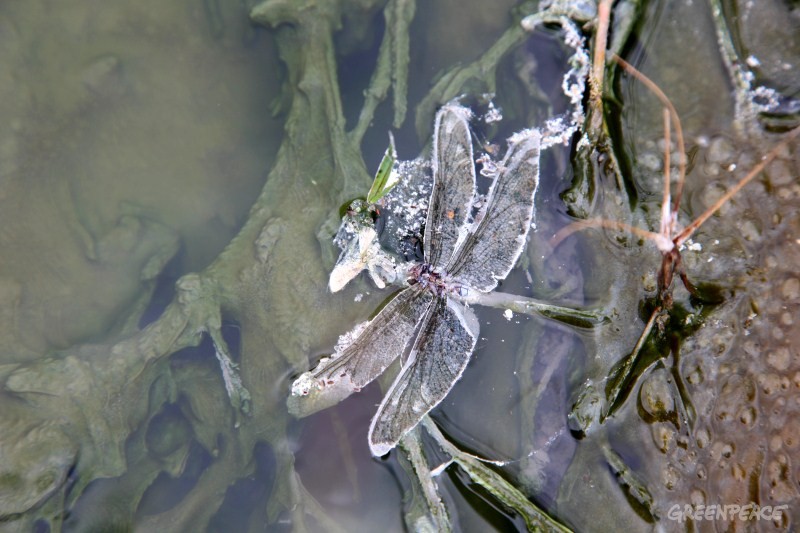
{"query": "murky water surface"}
[(139, 135)]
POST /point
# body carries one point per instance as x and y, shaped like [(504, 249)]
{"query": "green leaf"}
[(383, 182)]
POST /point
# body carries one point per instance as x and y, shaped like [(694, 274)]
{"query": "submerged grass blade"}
[(434, 509), (581, 318), (620, 377), (535, 518)]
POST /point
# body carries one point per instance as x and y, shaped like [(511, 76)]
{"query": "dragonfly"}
[(429, 324)]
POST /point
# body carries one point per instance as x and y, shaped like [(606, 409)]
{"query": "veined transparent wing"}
[(355, 257), (495, 242), (373, 348), (440, 354), (453, 183)]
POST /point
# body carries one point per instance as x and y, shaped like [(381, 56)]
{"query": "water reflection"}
[(135, 147)]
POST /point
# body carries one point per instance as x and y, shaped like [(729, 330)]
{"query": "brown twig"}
[(599, 59), (668, 216), (671, 260), (664, 239), (656, 90), (578, 225), (771, 155), (599, 65)]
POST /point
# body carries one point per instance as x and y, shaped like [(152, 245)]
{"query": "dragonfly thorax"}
[(429, 277)]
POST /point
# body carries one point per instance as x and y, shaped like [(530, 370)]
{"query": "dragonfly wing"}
[(495, 242), (354, 258), (453, 183), (364, 353), (440, 354)]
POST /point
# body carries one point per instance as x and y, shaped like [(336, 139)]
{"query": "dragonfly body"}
[(427, 321), (439, 283)]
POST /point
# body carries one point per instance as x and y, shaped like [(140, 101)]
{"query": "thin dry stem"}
[(696, 223), (578, 225), (646, 332), (667, 217), (598, 68), (599, 60), (650, 84)]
